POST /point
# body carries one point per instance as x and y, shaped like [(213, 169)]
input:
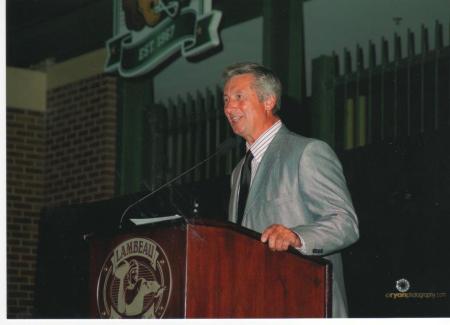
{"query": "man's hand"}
[(279, 238)]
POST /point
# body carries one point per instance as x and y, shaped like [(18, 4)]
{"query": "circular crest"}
[(135, 281)]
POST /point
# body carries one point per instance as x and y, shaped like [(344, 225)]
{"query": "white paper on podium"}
[(146, 221)]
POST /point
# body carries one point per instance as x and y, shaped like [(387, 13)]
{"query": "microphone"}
[(225, 146)]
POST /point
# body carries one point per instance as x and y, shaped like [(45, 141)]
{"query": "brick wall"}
[(25, 199), (65, 155), (81, 141)]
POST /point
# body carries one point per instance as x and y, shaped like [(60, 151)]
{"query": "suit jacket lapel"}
[(234, 191), (270, 159)]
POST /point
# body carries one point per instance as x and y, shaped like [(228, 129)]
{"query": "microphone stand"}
[(227, 144)]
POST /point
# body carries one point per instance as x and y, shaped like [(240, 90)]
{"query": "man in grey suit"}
[(289, 188)]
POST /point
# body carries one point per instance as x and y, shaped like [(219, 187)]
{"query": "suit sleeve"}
[(323, 188)]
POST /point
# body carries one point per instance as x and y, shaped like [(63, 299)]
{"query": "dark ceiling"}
[(22, 14), (58, 29)]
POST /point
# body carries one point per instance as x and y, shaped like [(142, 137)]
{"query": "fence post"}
[(171, 141), (219, 119), (438, 41), (370, 90), (411, 114), (179, 144), (209, 134), (424, 52), (323, 103), (155, 150), (361, 121), (199, 138), (360, 103), (349, 123), (188, 150)]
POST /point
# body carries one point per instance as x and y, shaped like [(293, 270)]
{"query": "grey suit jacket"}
[(299, 184)]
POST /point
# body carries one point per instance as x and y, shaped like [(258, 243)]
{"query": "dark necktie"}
[(246, 174)]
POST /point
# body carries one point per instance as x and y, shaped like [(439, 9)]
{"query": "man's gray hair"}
[(266, 82)]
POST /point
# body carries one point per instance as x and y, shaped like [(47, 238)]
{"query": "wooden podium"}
[(203, 269)]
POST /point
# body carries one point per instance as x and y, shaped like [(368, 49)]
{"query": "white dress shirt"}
[(259, 147)]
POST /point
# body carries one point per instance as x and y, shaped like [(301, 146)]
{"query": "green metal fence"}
[(386, 98)]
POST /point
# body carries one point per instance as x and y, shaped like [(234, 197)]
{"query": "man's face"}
[(248, 116)]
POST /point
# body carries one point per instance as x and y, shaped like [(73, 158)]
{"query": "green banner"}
[(187, 32)]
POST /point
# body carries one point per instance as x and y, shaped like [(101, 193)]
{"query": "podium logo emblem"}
[(135, 281)]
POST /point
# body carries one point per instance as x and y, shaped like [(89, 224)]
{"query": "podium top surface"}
[(196, 222)]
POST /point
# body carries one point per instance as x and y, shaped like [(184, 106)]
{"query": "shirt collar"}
[(259, 147)]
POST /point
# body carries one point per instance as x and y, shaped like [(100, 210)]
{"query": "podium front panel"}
[(199, 269)]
